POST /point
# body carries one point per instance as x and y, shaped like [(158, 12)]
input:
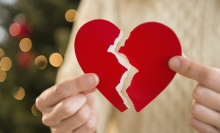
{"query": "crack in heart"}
[(124, 63)]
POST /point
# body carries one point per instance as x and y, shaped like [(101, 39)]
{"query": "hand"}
[(69, 107), (205, 110)]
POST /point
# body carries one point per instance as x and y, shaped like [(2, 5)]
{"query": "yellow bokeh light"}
[(56, 59), (18, 93), (3, 75), (71, 15), (2, 53), (25, 44), (5, 63), (35, 111), (41, 62)]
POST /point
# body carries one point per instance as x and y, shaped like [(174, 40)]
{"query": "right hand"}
[(69, 106)]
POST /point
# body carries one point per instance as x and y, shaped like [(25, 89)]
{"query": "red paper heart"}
[(149, 48)]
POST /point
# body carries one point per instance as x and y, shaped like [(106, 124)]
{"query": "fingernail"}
[(90, 80), (174, 63)]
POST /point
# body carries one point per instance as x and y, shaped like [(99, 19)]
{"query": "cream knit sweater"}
[(197, 25)]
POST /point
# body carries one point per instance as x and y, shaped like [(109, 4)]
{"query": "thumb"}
[(206, 76), (188, 68), (90, 80)]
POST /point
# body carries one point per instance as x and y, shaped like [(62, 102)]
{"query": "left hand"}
[(205, 110)]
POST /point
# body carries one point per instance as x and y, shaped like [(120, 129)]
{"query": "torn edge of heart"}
[(124, 63)]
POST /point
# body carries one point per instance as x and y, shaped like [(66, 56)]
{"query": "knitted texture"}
[(196, 23)]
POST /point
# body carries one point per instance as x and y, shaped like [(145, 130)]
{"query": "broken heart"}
[(148, 49)]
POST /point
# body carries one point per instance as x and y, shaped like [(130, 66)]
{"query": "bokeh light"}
[(3, 75), (25, 44), (71, 15), (5, 63), (41, 62), (56, 59), (15, 29), (18, 93), (35, 111), (2, 53)]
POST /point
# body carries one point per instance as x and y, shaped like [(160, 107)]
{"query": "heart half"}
[(148, 48)]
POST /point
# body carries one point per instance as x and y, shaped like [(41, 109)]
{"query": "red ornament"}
[(148, 48)]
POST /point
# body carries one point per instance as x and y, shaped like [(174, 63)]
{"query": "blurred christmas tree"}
[(33, 37)]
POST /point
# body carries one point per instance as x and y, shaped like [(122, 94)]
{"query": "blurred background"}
[(33, 38)]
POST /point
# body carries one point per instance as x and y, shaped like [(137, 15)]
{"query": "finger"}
[(90, 99), (205, 114), (64, 109), (58, 92), (90, 125), (206, 76), (206, 97), (201, 126), (187, 67), (75, 121)]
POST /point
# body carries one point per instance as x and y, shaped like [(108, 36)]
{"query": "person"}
[(74, 106)]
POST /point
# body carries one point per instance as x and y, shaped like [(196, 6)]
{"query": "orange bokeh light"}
[(19, 93), (6, 63), (41, 62), (71, 15), (56, 59), (25, 44), (35, 111), (2, 53), (3, 75)]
